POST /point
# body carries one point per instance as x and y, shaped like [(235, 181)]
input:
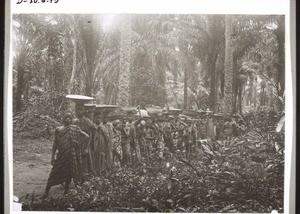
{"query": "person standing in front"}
[(67, 164)]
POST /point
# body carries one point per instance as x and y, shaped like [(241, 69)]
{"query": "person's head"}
[(130, 118), (143, 123), (105, 119), (98, 119), (119, 125), (89, 113), (79, 110), (67, 119), (86, 112), (115, 123)]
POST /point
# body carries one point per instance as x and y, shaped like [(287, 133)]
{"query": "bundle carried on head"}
[(105, 110), (79, 100)]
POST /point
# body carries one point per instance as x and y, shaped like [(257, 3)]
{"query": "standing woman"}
[(117, 150), (67, 164), (140, 139), (88, 127), (125, 142), (132, 138), (104, 141), (101, 146), (109, 129)]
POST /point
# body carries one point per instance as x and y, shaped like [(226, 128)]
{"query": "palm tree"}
[(229, 62), (206, 35), (153, 51), (28, 38), (125, 59), (90, 39), (74, 27)]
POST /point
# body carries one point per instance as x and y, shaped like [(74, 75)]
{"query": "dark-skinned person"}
[(117, 149), (125, 142), (132, 138), (140, 139), (101, 146), (160, 143), (150, 137), (67, 163), (88, 127), (109, 128), (89, 111), (167, 135)]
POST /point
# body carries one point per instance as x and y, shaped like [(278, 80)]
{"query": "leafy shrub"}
[(34, 126), (233, 176)]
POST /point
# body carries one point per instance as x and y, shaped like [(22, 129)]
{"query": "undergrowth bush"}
[(35, 126), (241, 174)]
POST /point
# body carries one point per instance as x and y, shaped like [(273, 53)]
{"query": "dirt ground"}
[(31, 168)]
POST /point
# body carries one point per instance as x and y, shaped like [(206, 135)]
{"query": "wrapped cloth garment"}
[(109, 128), (117, 149), (102, 154), (87, 158), (134, 148), (67, 164), (125, 144)]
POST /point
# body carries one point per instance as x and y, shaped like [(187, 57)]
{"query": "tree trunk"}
[(212, 66), (20, 86), (74, 60), (280, 35), (229, 103), (90, 57), (235, 86), (240, 92), (125, 52), (185, 92), (73, 66), (90, 41), (255, 93), (222, 83)]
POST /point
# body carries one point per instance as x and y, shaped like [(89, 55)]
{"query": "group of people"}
[(92, 144), (80, 146)]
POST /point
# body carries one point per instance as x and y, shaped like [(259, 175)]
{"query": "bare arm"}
[(84, 135), (54, 147), (92, 131), (137, 122), (126, 132)]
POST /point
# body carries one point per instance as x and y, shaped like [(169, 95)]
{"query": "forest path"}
[(31, 168)]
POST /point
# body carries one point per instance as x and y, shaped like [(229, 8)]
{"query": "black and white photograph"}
[(148, 112)]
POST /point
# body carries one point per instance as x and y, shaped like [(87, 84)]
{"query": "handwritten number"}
[(37, 1)]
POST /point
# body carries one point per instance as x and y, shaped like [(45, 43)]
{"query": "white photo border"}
[(261, 7)]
